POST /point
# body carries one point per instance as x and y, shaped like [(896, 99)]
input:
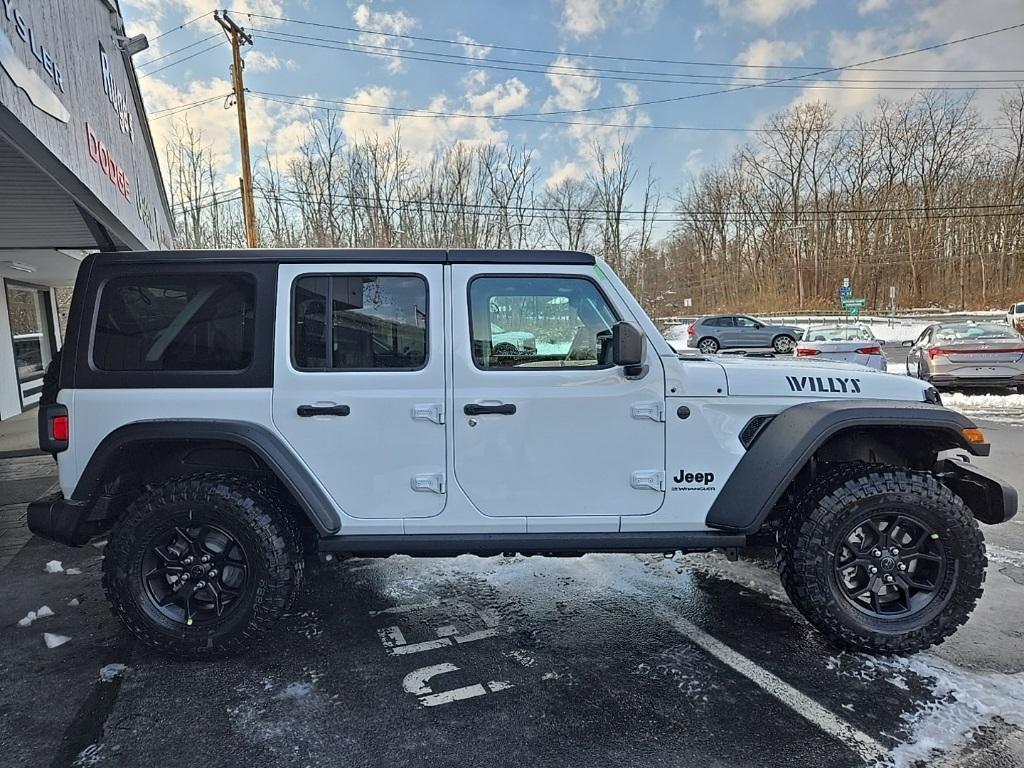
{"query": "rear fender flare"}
[(262, 442)]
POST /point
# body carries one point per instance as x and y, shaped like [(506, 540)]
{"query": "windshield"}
[(974, 332), (839, 333)]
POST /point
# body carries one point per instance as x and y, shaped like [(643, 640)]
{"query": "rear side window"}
[(201, 322), (720, 322), (359, 322)]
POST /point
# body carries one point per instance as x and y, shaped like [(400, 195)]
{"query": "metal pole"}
[(238, 38)]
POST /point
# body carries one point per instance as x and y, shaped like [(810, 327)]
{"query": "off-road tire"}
[(262, 526), (711, 343), (810, 532), (784, 344)]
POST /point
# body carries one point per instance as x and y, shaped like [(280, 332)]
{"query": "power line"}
[(582, 55), (563, 70), (181, 26), (397, 112), (344, 46), (176, 51), (176, 109), (183, 60)]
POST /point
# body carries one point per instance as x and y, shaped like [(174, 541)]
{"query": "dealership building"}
[(78, 170)]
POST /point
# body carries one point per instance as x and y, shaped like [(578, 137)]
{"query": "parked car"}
[(512, 343), (968, 354), (1015, 316), (236, 432), (710, 334), (842, 344), (677, 334)]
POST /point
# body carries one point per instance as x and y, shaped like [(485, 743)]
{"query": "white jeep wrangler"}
[(223, 415)]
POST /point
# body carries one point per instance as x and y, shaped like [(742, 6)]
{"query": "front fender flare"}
[(269, 447), (784, 446)]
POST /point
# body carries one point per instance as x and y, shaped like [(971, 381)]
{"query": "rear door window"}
[(168, 322)]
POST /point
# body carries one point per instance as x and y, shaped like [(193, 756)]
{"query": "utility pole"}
[(237, 37)]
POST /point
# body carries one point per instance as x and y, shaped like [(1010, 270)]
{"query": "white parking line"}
[(806, 707)]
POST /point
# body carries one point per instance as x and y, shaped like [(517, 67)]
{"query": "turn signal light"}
[(973, 435), (804, 352), (60, 429)]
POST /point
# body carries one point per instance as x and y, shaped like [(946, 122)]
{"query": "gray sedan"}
[(710, 334), (968, 354)]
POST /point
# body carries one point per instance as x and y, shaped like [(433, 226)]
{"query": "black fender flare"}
[(785, 445), (269, 447)]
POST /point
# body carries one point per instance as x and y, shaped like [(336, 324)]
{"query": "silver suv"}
[(710, 334)]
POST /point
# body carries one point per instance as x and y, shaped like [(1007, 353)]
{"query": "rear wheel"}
[(784, 344), (882, 560), (200, 566), (708, 345)]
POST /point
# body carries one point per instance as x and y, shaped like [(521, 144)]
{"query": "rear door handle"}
[(474, 409), (323, 410)]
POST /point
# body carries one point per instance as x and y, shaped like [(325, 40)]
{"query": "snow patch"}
[(963, 702), (73, 571), (296, 691), (111, 671), (42, 612), (74, 602), (1003, 408), (1005, 556), (54, 641), (54, 566)]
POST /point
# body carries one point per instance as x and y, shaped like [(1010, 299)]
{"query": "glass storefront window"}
[(26, 308)]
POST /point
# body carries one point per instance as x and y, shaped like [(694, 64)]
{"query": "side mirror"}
[(908, 343), (628, 345)]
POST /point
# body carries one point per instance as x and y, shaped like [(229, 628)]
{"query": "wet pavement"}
[(605, 660)]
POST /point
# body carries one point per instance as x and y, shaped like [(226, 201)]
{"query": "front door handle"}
[(474, 409), (323, 410)]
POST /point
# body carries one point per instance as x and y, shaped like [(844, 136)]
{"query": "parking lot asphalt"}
[(605, 660)]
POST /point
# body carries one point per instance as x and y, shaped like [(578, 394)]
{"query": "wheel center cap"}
[(887, 563), (197, 570)]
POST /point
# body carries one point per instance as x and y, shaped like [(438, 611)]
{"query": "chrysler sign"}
[(37, 90)]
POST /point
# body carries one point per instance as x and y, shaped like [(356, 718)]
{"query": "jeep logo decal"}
[(826, 384), (693, 481)]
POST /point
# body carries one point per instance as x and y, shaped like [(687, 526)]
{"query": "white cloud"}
[(584, 18), (573, 87), (564, 171), (501, 99), (870, 6), (761, 12), (258, 61), (391, 22), (473, 49), (761, 54), (694, 163)]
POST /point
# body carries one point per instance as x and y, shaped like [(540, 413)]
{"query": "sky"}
[(376, 54)]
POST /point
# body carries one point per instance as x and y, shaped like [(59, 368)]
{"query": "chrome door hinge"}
[(428, 412), (655, 410), (648, 479), (428, 483)]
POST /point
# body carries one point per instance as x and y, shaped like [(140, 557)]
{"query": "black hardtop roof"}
[(354, 255)]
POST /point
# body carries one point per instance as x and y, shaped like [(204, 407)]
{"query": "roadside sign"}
[(845, 292), (858, 303)]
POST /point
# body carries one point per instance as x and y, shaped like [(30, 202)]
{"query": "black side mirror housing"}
[(629, 347)]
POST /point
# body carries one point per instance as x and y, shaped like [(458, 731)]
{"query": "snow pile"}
[(42, 613), (1004, 408), (73, 571), (54, 566), (111, 671), (54, 641)]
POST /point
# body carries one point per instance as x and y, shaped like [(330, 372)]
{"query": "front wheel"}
[(200, 566), (783, 344), (882, 560)]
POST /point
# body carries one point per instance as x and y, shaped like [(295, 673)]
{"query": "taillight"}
[(60, 430), (54, 428), (937, 352), (804, 352), (869, 351), (690, 331)]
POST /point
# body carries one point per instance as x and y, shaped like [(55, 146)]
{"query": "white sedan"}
[(842, 344)]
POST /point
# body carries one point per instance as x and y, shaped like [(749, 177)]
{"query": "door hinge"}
[(428, 483), (648, 479), (428, 412), (654, 410)]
